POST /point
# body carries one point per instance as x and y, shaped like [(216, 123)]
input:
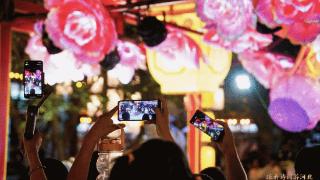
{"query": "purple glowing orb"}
[(288, 115), (295, 103)]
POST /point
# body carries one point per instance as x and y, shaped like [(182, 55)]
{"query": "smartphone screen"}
[(33, 79), (207, 125), (137, 110)]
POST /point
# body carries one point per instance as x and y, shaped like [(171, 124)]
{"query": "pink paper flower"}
[(179, 50), (230, 17), (123, 73), (83, 27), (300, 20), (131, 55), (264, 10), (249, 40), (60, 67), (266, 67)]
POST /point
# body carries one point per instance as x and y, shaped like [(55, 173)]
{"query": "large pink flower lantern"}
[(230, 18), (131, 55), (295, 103), (82, 26), (60, 67), (266, 67), (131, 59), (179, 51), (300, 20), (250, 40)]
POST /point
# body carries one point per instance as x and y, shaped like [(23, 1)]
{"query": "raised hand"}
[(162, 121)]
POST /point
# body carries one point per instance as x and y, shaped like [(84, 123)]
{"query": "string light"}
[(85, 120), (79, 84), (15, 75)]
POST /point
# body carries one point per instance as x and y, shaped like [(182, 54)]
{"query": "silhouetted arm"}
[(102, 127), (234, 168), (31, 148)]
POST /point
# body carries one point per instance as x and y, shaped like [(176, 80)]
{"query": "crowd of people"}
[(155, 159)]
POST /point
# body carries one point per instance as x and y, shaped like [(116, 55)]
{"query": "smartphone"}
[(137, 110), (33, 79), (207, 125)]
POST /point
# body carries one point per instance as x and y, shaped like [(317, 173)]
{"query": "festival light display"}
[(60, 67), (266, 67), (294, 103), (299, 19), (83, 27), (231, 18)]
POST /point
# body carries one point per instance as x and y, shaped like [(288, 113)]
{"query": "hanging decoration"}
[(59, 67), (266, 67), (299, 19), (110, 60), (230, 18), (231, 25), (152, 31), (131, 55), (316, 48), (295, 103), (178, 51), (250, 40), (84, 27), (131, 59)]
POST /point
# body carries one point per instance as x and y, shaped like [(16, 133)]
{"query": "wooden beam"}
[(5, 58), (146, 4), (27, 7), (24, 25)]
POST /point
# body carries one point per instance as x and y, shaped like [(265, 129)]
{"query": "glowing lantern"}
[(229, 17), (131, 55), (299, 19), (187, 74), (295, 103), (83, 27), (178, 51), (264, 66)]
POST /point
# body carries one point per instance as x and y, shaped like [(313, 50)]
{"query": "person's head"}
[(155, 159), (54, 169), (212, 173), (308, 161)]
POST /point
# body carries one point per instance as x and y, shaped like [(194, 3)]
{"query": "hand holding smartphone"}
[(207, 125), (33, 79), (137, 110)]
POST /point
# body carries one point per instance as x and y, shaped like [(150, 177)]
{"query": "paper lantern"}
[(229, 17), (295, 103), (178, 51), (299, 19), (60, 67), (250, 40), (266, 67), (84, 27), (123, 73), (131, 55), (176, 78)]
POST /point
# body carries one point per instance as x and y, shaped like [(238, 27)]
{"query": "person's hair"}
[(308, 162), (54, 169), (155, 159), (212, 173)]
